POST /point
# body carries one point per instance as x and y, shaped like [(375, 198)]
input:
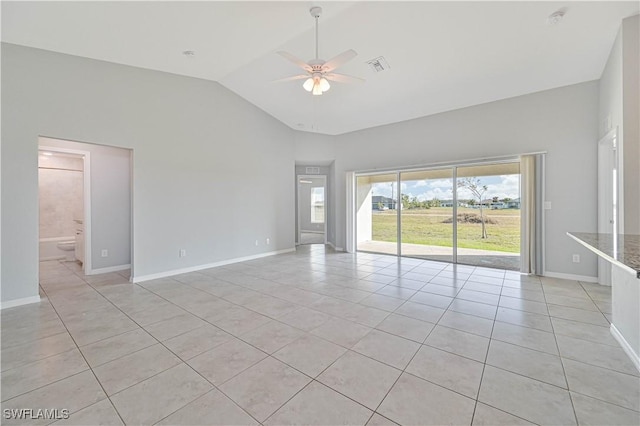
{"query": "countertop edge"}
[(604, 255)]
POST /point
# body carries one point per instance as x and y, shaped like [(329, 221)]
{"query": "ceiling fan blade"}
[(343, 78), (342, 58), (297, 61), (295, 77)]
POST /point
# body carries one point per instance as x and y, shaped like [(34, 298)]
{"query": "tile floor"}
[(318, 337)]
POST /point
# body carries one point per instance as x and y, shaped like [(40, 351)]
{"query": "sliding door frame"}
[(436, 166)]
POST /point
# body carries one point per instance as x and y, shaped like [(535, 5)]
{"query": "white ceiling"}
[(443, 55)]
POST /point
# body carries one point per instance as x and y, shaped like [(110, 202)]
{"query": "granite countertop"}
[(626, 252)]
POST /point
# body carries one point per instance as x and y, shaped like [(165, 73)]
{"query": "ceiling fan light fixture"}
[(319, 72), (308, 84), (324, 84)]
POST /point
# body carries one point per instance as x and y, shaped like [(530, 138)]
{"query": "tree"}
[(473, 185), (405, 201)]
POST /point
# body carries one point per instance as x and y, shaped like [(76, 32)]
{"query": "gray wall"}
[(631, 122), (110, 170), (211, 172), (314, 150), (561, 121), (619, 93)]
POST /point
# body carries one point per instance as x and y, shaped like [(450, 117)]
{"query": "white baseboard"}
[(108, 269), (333, 246), (19, 302), (625, 346), (583, 278), (44, 259), (207, 266)]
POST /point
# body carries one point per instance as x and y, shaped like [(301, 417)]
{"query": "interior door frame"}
[(326, 216), (609, 196)]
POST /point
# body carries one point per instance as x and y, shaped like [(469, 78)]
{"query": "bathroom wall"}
[(60, 183)]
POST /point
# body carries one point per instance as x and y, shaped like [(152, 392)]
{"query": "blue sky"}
[(499, 186)]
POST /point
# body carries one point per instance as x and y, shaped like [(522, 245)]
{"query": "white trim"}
[(351, 215), (626, 347), (44, 259), (58, 239), (574, 277), (438, 165), (208, 265), (333, 246), (109, 269), (19, 302)]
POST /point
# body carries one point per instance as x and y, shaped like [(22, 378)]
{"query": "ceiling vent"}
[(378, 64), (313, 170)]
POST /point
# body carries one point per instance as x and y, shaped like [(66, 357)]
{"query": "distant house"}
[(380, 202), (512, 204), (449, 203)]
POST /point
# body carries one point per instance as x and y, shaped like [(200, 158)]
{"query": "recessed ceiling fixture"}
[(556, 17), (189, 53), (319, 72)]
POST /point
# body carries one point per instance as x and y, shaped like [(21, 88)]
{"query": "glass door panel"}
[(376, 213), (427, 214), (489, 215)]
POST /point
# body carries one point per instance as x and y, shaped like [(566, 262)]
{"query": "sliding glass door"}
[(377, 219), (426, 214), (467, 214), (489, 215)]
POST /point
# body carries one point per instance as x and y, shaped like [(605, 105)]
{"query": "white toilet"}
[(70, 248)]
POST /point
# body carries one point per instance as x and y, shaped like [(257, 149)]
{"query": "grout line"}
[(566, 379), (161, 343), (300, 306), (88, 365)]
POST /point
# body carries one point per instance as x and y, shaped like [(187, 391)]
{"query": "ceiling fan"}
[(320, 72)]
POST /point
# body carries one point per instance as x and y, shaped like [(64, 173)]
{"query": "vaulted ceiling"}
[(442, 55)]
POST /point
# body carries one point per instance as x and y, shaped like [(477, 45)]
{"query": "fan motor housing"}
[(315, 11)]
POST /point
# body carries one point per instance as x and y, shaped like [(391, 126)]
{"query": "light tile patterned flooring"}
[(318, 337)]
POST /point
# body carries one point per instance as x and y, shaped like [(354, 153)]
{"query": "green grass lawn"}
[(425, 226)]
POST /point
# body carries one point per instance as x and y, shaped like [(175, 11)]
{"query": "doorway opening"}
[(64, 194), (85, 215), (312, 217), (467, 214)]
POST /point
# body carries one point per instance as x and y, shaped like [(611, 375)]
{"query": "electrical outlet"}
[(576, 258), (104, 253), (183, 252), (547, 205), (268, 241), (256, 243)]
